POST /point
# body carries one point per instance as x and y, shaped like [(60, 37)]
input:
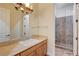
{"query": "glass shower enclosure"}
[(64, 27), (64, 32)]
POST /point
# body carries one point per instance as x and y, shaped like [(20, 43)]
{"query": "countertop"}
[(14, 48)]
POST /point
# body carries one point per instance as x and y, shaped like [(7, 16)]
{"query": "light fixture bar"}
[(24, 7)]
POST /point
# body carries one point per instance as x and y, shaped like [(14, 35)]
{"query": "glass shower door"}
[(64, 32), (64, 29)]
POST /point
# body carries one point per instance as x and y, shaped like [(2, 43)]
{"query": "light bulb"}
[(27, 4), (31, 7), (21, 8)]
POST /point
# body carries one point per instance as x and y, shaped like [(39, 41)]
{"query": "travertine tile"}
[(62, 52)]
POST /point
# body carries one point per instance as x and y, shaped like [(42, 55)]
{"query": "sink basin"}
[(29, 42)]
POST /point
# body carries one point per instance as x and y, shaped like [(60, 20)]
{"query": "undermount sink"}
[(29, 42)]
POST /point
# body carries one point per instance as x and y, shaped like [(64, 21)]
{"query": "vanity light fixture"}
[(17, 5), (21, 8), (24, 7)]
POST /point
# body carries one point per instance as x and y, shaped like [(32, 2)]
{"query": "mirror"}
[(11, 22), (4, 24)]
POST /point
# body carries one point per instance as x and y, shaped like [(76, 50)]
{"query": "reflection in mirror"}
[(26, 32), (11, 22), (4, 24)]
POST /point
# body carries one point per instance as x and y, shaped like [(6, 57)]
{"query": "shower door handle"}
[(24, 33), (76, 38), (76, 20), (8, 35)]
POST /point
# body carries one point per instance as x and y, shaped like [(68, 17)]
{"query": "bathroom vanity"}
[(39, 49), (14, 31), (37, 46)]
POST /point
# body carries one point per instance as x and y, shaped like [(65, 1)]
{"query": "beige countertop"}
[(14, 48)]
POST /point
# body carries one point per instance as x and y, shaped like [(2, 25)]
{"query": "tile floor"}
[(62, 52)]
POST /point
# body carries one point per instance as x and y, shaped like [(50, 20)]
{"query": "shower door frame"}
[(77, 14), (75, 31)]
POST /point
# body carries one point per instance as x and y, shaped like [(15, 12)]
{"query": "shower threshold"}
[(65, 47)]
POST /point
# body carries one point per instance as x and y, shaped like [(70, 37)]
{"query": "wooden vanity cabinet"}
[(42, 49), (37, 50), (17, 54), (32, 54)]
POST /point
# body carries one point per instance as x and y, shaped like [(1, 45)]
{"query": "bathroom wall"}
[(34, 20), (42, 23), (46, 24), (62, 11), (16, 19)]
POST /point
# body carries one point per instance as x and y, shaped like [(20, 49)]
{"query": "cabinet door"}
[(45, 49), (40, 51)]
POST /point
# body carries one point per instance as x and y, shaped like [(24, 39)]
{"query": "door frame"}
[(77, 17), (75, 31)]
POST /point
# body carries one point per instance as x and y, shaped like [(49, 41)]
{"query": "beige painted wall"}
[(42, 23), (34, 22), (16, 19)]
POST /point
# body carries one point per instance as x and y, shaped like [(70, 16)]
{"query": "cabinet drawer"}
[(32, 54), (25, 53)]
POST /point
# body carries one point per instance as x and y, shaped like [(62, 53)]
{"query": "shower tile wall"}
[(64, 31)]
